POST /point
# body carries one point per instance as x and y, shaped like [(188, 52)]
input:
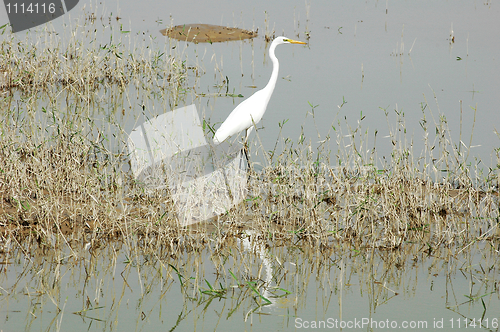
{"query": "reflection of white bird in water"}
[(251, 110)]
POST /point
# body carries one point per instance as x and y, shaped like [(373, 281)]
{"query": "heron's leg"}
[(245, 154), (245, 145), (248, 131)]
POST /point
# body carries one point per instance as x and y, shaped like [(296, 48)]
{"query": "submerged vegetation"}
[(65, 183)]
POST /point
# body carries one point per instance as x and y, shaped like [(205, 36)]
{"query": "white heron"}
[(251, 110)]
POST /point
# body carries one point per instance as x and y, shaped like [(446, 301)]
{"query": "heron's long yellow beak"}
[(291, 41)]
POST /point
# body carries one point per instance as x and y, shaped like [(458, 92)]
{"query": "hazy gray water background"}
[(347, 41), (358, 52)]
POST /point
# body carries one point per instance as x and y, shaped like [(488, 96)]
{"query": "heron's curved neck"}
[(276, 66)]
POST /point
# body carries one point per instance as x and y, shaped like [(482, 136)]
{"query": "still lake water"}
[(393, 55), (118, 288), (372, 54)]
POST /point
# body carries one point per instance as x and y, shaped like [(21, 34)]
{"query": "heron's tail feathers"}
[(218, 137)]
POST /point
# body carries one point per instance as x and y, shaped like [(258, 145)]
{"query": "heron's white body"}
[(251, 110)]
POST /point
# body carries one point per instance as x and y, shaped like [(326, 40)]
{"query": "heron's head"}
[(285, 40)]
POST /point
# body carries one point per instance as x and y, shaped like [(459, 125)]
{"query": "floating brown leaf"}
[(207, 33)]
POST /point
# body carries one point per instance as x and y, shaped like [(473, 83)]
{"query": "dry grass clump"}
[(300, 195), (69, 186), (61, 162), (375, 209), (64, 174), (87, 60)]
